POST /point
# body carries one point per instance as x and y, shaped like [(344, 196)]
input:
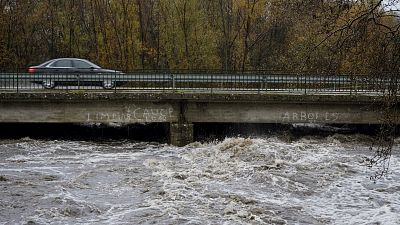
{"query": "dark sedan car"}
[(67, 70)]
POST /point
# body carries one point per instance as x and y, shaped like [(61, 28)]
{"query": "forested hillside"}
[(336, 36)]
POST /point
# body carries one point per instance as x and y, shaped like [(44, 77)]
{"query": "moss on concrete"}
[(190, 97)]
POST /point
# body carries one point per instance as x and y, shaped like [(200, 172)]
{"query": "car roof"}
[(68, 59), (57, 59)]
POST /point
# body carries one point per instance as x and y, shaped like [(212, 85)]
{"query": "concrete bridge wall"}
[(181, 110)]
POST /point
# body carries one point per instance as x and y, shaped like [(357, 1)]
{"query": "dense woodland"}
[(335, 36)]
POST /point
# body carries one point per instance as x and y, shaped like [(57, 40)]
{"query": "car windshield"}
[(46, 63)]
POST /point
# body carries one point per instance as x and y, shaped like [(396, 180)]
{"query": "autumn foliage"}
[(286, 35)]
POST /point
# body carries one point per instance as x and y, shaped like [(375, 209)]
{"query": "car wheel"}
[(108, 84), (48, 84)]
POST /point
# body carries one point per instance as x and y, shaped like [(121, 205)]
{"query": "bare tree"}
[(383, 19)]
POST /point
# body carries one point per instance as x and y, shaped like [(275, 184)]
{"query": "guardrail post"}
[(350, 84), (356, 87), (162, 79), (173, 82), (17, 82), (79, 80), (212, 83), (264, 83), (334, 83), (115, 81)]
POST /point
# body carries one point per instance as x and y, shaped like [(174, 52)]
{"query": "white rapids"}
[(266, 180)]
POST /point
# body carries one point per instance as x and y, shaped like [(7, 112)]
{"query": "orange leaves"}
[(202, 34)]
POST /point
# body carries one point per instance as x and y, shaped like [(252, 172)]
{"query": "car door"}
[(82, 66), (85, 71)]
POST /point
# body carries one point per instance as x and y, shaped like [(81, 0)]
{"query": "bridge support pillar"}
[(181, 134)]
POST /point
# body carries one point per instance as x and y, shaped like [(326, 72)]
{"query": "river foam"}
[(312, 180)]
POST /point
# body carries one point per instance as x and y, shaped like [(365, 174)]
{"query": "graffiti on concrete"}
[(133, 114), (310, 117)]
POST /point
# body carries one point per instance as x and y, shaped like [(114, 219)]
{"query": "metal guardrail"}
[(198, 82)]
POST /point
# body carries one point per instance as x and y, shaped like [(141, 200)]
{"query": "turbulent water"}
[(266, 180)]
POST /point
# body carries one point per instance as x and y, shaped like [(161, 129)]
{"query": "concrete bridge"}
[(182, 110)]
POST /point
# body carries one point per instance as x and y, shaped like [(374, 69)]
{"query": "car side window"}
[(81, 64), (61, 63)]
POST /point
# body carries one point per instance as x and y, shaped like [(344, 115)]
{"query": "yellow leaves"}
[(199, 34), (252, 9)]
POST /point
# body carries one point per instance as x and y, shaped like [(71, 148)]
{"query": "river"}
[(260, 180)]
